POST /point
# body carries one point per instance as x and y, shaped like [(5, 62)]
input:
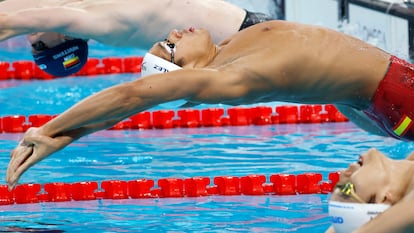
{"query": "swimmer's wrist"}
[(48, 131)]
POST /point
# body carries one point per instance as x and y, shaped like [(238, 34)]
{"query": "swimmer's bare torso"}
[(284, 61)]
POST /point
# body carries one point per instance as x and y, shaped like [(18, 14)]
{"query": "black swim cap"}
[(64, 59)]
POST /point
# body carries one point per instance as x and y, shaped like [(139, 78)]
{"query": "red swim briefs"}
[(392, 106)]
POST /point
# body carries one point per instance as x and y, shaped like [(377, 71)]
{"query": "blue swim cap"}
[(64, 59)]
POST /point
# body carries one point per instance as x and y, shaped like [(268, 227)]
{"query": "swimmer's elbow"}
[(115, 103), (133, 98)]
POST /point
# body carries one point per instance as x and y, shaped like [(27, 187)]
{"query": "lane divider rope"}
[(191, 118), (28, 70), (278, 184)]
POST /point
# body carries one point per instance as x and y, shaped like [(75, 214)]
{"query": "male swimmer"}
[(58, 29), (377, 188), (270, 61)]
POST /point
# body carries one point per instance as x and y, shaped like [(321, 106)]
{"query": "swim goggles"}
[(39, 46), (348, 190), (171, 48)]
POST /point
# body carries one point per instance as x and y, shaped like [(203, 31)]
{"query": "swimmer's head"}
[(379, 188), (153, 64), (367, 188), (347, 217), (188, 48), (57, 54)]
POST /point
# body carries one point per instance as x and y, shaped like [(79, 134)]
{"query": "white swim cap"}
[(347, 217), (152, 64)]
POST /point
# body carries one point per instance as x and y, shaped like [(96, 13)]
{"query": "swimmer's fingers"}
[(19, 159), (31, 150)]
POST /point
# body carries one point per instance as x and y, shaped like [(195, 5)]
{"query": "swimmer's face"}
[(191, 46), (41, 41), (376, 178)]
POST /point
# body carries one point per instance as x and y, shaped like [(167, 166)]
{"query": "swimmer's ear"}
[(388, 198), (410, 156)]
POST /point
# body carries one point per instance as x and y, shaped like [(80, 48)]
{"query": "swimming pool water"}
[(178, 153), (206, 214), (185, 153)]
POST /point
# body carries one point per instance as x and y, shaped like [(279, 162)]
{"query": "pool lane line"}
[(193, 118), (250, 185)]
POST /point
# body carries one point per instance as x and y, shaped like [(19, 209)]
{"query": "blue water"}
[(179, 153), (207, 214)]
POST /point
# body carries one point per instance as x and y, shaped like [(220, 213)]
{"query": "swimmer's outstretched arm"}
[(66, 20), (116, 22), (116, 103), (15, 5), (121, 101)]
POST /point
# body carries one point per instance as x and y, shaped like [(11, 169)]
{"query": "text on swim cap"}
[(160, 68), (337, 220), (65, 52)]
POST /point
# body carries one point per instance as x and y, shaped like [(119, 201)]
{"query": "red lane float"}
[(212, 117), (4, 68), (27, 70), (189, 118), (197, 187), (14, 124), (140, 188), (280, 184)]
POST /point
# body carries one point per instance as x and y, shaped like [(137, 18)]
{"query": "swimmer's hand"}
[(33, 148)]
